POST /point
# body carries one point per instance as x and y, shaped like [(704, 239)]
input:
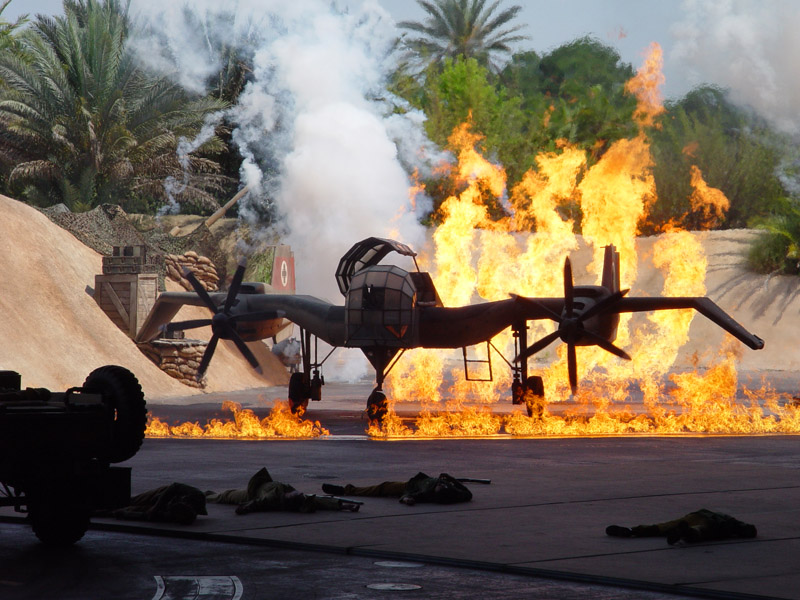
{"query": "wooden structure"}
[(128, 287)]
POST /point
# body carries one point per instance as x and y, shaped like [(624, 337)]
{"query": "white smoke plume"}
[(749, 47), (312, 123)]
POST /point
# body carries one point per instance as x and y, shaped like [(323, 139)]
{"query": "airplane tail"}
[(611, 269), (283, 281)]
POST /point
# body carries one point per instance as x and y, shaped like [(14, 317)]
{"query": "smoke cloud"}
[(748, 47), (313, 123)]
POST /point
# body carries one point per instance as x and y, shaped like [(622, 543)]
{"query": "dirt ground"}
[(54, 333)]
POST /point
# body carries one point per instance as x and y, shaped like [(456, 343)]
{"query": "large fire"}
[(477, 256)]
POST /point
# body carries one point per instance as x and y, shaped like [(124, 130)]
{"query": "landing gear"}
[(530, 393), (382, 359), (307, 384), (377, 406), (528, 390), (298, 399), (301, 391)]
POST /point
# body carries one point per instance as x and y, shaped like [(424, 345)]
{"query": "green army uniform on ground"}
[(420, 488), (699, 526), (173, 503), (263, 494)]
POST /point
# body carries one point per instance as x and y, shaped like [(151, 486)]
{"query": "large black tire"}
[(59, 517), (123, 394), (534, 401), (377, 406), (298, 395)]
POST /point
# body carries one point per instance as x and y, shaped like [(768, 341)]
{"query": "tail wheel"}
[(298, 395), (123, 394), (377, 406)]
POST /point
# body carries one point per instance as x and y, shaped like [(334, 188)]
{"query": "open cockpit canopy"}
[(364, 254)]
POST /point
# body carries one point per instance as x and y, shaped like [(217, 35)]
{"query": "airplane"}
[(388, 310)]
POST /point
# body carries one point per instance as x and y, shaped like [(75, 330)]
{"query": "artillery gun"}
[(56, 449)]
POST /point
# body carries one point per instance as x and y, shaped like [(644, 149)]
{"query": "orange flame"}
[(477, 258), (280, 423), (711, 202)]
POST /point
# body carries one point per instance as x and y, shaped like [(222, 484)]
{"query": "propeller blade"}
[(606, 345), (569, 291), (200, 290), (604, 304), (182, 325), (235, 284), (536, 347), (237, 339), (538, 305), (263, 315), (572, 366), (212, 345)]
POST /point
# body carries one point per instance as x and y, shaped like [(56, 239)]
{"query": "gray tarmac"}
[(537, 531)]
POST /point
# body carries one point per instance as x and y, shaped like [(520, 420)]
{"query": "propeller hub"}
[(221, 325), (571, 330)]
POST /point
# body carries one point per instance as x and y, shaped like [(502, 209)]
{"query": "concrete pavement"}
[(543, 515)]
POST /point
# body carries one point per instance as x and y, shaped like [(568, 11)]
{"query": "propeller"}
[(571, 328), (223, 323)]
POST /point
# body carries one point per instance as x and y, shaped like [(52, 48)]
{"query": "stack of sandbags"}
[(201, 266), (178, 358)]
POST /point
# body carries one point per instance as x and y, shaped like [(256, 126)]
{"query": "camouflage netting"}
[(108, 225)]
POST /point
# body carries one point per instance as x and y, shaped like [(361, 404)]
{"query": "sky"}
[(630, 26), (747, 46)]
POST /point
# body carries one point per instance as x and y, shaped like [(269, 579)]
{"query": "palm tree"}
[(7, 38), (467, 28), (82, 123)]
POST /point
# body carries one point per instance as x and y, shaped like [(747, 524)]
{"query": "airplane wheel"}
[(377, 406), (298, 399), (123, 394), (534, 396)]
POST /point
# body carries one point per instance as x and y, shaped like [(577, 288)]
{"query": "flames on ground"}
[(280, 423), (475, 256)]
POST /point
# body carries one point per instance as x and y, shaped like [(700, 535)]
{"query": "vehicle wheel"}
[(298, 398), (534, 396), (377, 406), (57, 519), (123, 394)]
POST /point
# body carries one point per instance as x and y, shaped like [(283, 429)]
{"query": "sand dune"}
[(54, 333)]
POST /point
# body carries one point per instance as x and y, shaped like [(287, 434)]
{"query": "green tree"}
[(777, 249), (467, 28), (735, 151), (82, 123), (578, 91), (7, 30)]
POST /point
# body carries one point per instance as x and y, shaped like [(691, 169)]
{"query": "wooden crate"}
[(126, 298)]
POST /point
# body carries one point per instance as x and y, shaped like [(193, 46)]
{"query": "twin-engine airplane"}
[(389, 310)]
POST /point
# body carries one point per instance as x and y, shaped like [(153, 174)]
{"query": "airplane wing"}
[(164, 310), (704, 306)]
